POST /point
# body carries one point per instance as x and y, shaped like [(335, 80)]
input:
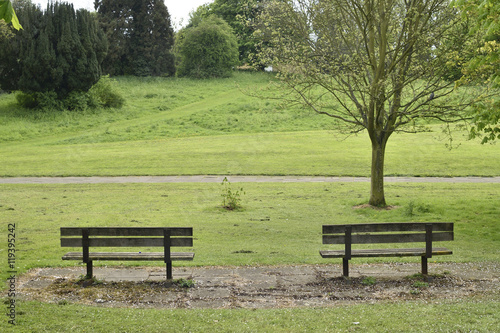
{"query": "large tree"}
[(374, 65), (59, 50), (141, 37)]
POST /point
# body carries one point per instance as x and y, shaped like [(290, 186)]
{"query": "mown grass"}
[(173, 126), (479, 316), (162, 107), (279, 223), (287, 153)]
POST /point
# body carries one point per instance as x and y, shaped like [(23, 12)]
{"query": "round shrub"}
[(207, 50)]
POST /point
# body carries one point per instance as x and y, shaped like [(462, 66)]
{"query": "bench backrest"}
[(125, 237), (373, 233)]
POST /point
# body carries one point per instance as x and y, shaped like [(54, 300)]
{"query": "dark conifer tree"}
[(140, 36), (58, 50)]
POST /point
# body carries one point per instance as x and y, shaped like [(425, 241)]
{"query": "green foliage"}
[(208, 50), (483, 66), (27, 101), (412, 209), (140, 35), (86, 280), (185, 283), (105, 94), (368, 281), (8, 14), (59, 50), (420, 284), (40, 100), (380, 74), (241, 16), (102, 95), (231, 200)]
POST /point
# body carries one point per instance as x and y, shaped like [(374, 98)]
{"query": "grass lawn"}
[(455, 316), (179, 126), (279, 223), (173, 126)]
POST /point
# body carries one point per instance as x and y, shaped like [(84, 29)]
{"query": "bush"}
[(26, 100), (208, 50), (39, 100), (77, 101), (103, 94)]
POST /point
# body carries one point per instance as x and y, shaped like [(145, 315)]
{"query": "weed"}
[(368, 281), (412, 209), (420, 284), (185, 283), (63, 302), (85, 281), (230, 199), (417, 276)]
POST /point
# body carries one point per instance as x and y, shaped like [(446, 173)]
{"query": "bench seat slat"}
[(126, 242), (146, 256), (126, 231), (387, 227), (387, 238), (385, 252)]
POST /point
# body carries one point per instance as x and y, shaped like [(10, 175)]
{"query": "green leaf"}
[(8, 14)]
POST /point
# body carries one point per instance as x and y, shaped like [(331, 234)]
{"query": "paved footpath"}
[(260, 286), (235, 179)]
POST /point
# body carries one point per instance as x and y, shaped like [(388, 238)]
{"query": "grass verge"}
[(440, 316), (279, 223)]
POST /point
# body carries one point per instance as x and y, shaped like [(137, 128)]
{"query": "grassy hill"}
[(172, 126)]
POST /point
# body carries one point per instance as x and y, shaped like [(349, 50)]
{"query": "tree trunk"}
[(377, 197)]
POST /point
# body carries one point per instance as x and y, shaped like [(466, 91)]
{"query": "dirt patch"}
[(264, 287), (363, 206)]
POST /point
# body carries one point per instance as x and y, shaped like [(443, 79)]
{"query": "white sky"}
[(178, 9)]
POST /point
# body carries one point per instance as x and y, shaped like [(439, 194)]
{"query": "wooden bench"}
[(127, 237), (377, 233)]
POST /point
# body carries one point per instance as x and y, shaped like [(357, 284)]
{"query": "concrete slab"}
[(255, 287)]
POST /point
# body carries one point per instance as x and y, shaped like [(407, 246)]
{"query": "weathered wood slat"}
[(126, 231), (126, 242), (165, 237), (385, 252), (387, 227), (148, 256), (387, 233), (387, 238)]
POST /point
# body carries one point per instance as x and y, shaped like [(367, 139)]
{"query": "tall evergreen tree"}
[(58, 50), (140, 35), (15, 45)]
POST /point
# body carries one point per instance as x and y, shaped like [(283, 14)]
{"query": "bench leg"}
[(345, 263), (424, 265), (90, 273), (169, 270)]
